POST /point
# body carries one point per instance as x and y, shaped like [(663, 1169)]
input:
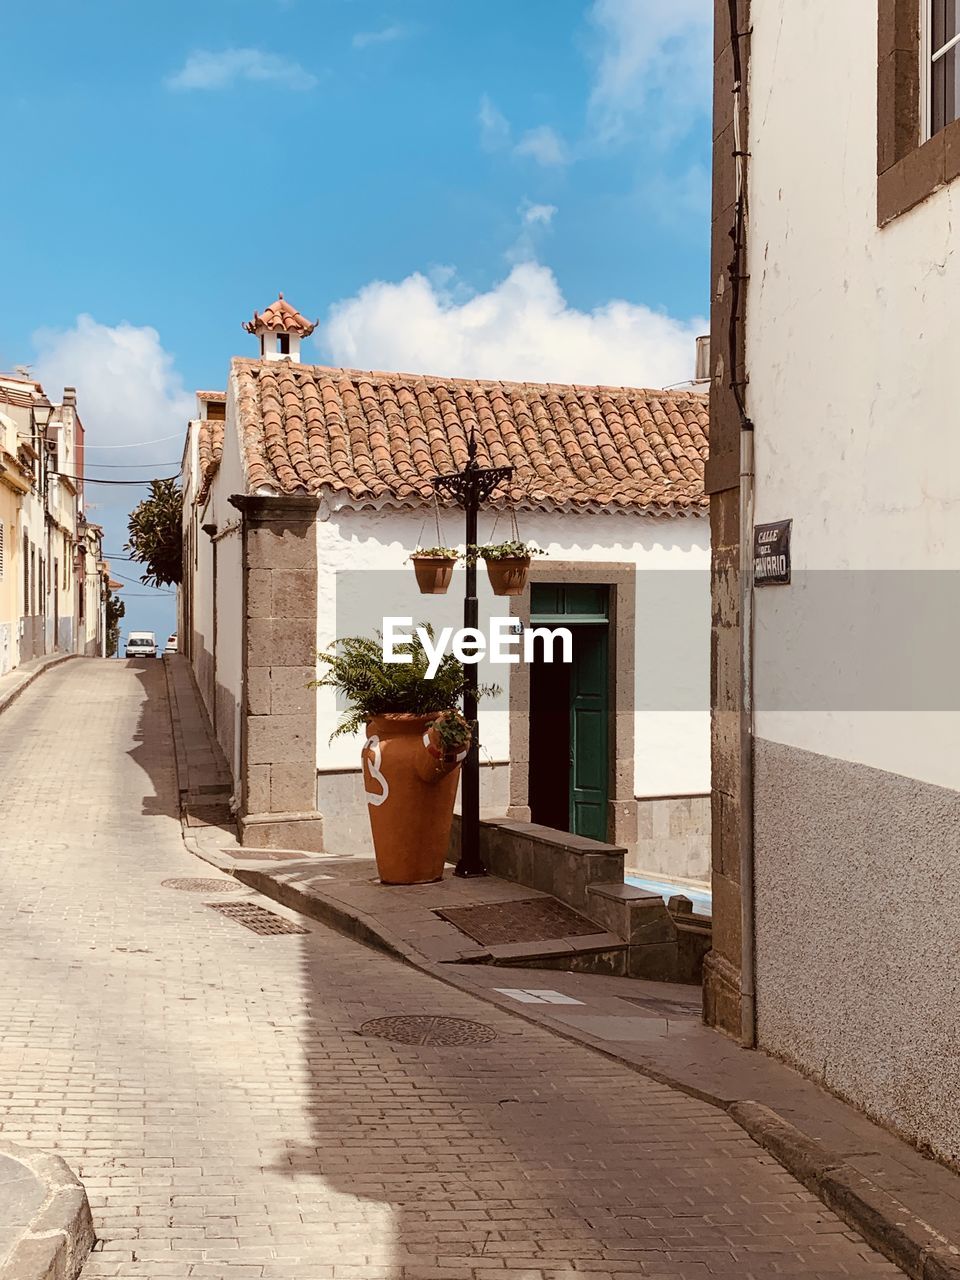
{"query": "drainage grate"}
[(255, 918), (429, 1029), (197, 885), (523, 920)]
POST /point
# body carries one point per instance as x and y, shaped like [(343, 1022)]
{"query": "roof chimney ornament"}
[(280, 328)]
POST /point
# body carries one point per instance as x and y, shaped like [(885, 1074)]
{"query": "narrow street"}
[(215, 1093)]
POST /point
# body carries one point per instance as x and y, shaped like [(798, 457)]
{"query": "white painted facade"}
[(851, 364), (367, 576), (41, 574), (851, 342)]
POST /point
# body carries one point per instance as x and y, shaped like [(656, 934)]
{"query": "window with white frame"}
[(940, 80)]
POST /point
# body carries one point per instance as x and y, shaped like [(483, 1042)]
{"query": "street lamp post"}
[(470, 486)]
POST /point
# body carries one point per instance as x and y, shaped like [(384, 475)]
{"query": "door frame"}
[(621, 581)]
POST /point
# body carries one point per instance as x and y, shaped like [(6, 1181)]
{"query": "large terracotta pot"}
[(508, 577), (411, 786), (433, 574)]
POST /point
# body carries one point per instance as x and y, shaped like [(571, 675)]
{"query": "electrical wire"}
[(93, 480), (139, 444), (126, 466)]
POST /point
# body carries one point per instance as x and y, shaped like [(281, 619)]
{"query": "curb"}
[(882, 1220), (56, 1244), (6, 699)]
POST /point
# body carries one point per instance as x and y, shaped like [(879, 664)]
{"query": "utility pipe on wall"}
[(748, 1007)]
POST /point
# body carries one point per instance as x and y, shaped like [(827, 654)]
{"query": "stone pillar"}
[(729, 808), (278, 752)]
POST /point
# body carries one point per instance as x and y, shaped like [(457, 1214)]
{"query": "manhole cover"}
[(199, 885), (429, 1029), (255, 918), (524, 920)]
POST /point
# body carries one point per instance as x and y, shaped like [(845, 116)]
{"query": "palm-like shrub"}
[(357, 670)]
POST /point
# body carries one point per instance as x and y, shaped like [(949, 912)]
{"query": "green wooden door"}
[(584, 609), (588, 733)]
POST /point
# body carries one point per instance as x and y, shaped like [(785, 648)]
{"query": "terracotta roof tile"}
[(210, 450), (280, 317), (376, 439)]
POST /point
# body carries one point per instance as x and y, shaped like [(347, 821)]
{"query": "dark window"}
[(283, 344), (918, 102), (944, 53)]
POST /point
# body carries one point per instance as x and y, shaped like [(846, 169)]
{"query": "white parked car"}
[(141, 644), (171, 645)]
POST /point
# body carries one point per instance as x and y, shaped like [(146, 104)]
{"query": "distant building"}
[(43, 572), (836, 720), (306, 490)]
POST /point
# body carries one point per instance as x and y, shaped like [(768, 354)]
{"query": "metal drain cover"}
[(255, 918), (199, 885), (429, 1029)]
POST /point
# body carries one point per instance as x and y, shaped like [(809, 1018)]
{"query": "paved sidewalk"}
[(20, 678), (234, 1114)]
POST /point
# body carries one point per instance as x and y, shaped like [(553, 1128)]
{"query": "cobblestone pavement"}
[(216, 1093)]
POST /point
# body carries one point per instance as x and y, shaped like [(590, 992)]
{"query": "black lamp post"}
[(470, 486)]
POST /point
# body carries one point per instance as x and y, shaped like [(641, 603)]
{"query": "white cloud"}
[(364, 39), (652, 53), (494, 126), (544, 145), (128, 393), (522, 329), (205, 69), (538, 215)]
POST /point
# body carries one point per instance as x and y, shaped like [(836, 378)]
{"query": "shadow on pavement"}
[(154, 750)]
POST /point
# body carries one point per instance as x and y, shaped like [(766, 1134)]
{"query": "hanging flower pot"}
[(434, 569), (508, 566)]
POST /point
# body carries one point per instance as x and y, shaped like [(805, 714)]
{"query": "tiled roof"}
[(210, 450), (215, 397), (280, 317), (377, 439)]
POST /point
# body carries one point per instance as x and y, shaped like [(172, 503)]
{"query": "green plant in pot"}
[(434, 568), (416, 742), (508, 565)]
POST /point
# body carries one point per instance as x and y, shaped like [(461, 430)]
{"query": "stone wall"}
[(673, 837), (278, 721)]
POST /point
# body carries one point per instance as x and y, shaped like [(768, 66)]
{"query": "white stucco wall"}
[(851, 338), (229, 480), (365, 575), (219, 673)]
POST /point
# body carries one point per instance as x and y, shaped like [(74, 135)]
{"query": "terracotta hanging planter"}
[(508, 565), (508, 577), (433, 572), (410, 777)]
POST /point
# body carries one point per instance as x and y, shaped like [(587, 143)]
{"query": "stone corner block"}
[(298, 831)]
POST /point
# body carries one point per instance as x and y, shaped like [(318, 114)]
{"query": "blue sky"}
[(517, 188)]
